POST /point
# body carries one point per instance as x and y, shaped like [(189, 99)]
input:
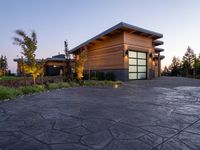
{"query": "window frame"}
[(137, 65)]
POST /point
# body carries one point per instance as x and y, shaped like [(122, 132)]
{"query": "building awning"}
[(159, 49), (161, 57), (157, 43), (117, 28)]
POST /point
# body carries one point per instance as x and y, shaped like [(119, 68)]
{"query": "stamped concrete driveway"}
[(161, 114)]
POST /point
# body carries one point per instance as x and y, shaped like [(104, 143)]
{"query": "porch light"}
[(150, 55), (126, 53)]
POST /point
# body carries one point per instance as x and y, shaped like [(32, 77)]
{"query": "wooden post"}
[(159, 65)]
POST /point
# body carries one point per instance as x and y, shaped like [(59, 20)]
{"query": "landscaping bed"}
[(12, 92)]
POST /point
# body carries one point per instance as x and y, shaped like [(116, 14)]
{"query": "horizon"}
[(75, 21)]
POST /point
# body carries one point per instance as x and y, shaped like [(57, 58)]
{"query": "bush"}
[(53, 86), (9, 93), (74, 84), (63, 85), (110, 76), (32, 89), (90, 83), (100, 76)]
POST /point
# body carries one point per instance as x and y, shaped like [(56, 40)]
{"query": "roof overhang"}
[(159, 49), (161, 57), (119, 28), (157, 43)]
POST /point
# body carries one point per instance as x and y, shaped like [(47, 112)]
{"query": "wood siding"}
[(106, 54)]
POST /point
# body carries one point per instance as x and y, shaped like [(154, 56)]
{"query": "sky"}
[(78, 20)]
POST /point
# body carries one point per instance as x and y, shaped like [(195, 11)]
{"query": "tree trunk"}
[(34, 80)]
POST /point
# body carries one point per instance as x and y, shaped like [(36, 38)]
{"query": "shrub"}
[(90, 83), (32, 89), (9, 93), (63, 85), (110, 76), (53, 86), (100, 76), (74, 84)]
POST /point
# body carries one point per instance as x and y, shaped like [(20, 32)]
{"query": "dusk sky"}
[(78, 20)]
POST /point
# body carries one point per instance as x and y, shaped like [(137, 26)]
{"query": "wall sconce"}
[(150, 55), (126, 53)]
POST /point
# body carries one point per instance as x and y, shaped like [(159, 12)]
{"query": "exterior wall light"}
[(150, 55), (126, 53)]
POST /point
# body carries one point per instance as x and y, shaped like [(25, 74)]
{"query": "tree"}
[(29, 47), (175, 66), (188, 62), (80, 61), (166, 71), (69, 73), (3, 65), (197, 65)]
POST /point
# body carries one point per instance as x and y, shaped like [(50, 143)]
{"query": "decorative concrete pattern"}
[(160, 114)]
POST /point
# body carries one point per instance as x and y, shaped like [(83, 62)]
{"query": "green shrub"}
[(9, 93), (53, 86), (63, 85), (90, 83), (32, 89), (100, 76), (74, 84), (110, 76)]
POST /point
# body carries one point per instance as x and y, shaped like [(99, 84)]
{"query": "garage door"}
[(137, 65)]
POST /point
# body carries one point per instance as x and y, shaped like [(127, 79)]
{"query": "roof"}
[(159, 49), (59, 56), (25, 60), (120, 26), (157, 43), (161, 57), (55, 59)]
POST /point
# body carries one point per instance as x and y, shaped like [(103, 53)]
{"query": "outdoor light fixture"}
[(150, 55), (115, 85), (126, 52)]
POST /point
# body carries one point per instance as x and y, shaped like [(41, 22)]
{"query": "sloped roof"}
[(120, 26)]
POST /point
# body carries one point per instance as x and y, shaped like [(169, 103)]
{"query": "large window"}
[(137, 65)]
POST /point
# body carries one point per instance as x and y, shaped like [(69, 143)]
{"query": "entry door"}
[(137, 65)]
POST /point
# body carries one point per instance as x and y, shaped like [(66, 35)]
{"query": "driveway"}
[(160, 114)]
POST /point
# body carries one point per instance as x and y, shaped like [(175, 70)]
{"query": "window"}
[(137, 65)]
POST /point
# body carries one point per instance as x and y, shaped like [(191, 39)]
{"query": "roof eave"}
[(121, 25)]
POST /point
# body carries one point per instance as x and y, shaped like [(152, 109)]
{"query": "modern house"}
[(128, 51), (54, 66)]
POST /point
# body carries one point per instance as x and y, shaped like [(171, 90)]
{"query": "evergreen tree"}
[(3, 65), (188, 62), (175, 66), (166, 71)]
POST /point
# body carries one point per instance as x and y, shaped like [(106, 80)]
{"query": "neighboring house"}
[(56, 65), (128, 51)]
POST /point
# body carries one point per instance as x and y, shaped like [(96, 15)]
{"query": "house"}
[(53, 66), (128, 51)]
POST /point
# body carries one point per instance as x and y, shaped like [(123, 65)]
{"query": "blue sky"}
[(78, 20)]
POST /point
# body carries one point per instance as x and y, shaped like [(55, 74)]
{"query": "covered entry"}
[(137, 65)]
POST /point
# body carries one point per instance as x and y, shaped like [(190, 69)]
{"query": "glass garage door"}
[(137, 65)]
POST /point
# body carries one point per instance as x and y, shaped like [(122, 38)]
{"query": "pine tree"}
[(175, 66), (188, 62)]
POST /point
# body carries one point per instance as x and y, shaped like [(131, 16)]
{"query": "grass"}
[(11, 93), (32, 89)]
